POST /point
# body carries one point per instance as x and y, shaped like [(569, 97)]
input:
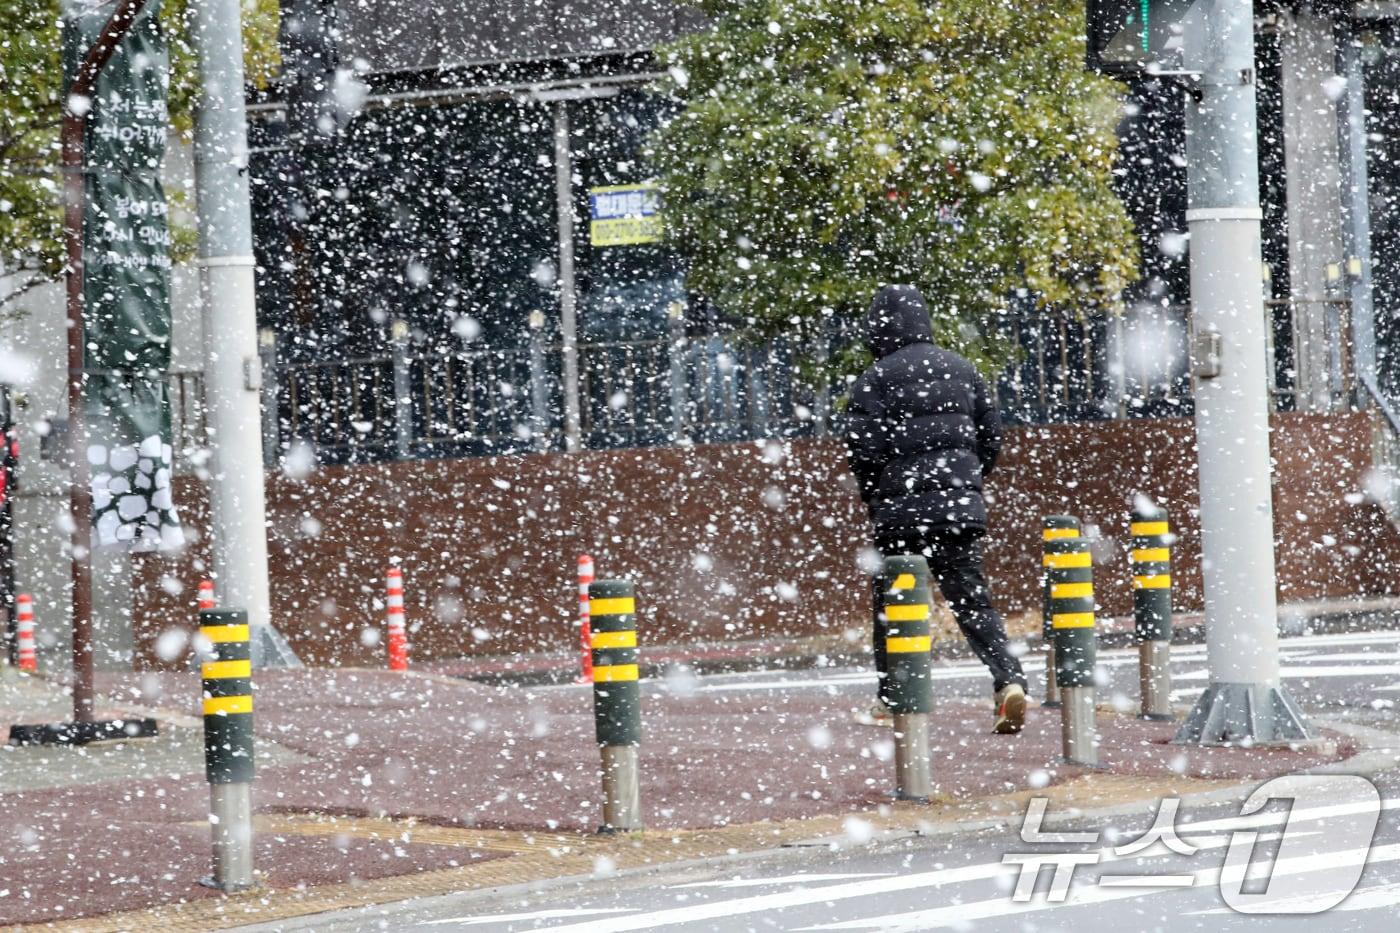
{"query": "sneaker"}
[(1011, 709), (877, 715)]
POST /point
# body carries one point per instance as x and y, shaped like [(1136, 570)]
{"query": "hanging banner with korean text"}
[(126, 280)]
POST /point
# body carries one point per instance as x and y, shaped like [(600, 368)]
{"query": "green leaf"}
[(827, 147)]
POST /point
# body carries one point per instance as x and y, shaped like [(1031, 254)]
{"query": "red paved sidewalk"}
[(459, 753)]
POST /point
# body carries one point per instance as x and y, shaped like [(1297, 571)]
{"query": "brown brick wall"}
[(737, 540)]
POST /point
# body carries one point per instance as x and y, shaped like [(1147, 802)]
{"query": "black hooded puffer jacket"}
[(921, 429)]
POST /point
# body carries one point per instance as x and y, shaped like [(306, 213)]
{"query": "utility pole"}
[(568, 287), (232, 374), (1245, 701)]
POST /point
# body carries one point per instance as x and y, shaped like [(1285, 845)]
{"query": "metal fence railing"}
[(346, 405), (1068, 367), (414, 403), (1383, 484), (481, 402), (1335, 380), (188, 420), (698, 389)]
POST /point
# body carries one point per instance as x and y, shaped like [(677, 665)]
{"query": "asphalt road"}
[(1331, 673), (1303, 860)]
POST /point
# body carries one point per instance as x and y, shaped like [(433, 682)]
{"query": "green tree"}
[(828, 147), (31, 89)]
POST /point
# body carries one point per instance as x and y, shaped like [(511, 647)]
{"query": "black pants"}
[(955, 561)]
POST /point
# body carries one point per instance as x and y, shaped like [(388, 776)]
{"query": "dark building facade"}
[(428, 189), (439, 275), (460, 280)]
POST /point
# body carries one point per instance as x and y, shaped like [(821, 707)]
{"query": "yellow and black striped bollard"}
[(1054, 528), (1070, 568), (1152, 608), (905, 606), (617, 701), (228, 745)]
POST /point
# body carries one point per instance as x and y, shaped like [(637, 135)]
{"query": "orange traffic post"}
[(585, 637), (398, 634), (24, 632)]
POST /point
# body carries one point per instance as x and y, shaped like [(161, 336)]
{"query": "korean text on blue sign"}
[(624, 215)]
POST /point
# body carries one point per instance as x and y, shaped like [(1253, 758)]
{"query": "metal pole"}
[(675, 317), (1150, 559), (622, 796), (904, 603), (1070, 569), (821, 395), (1054, 528), (1078, 726), (271, 413), (568, 297), (79, 475), (239, 526), (1356, 205), (1245, 701), (403, 390), (1120, 375), (226, 669), (539, 385), (617, 701), (231, 813)]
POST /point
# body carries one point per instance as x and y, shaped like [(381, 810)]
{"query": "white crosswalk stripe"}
[(1218, 838), (1304, 673), (1372, 898), (1299, 662), (960, 914), (728, 883)]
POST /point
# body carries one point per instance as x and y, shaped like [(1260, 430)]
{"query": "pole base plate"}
[(1244, 714), (208, 882), (1157, 717), (82, 733), (270, 649), (1076, 763)]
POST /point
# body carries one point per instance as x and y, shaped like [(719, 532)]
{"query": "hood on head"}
[(898, 317)]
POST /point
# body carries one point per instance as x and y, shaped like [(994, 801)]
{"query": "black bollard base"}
[(82, 733)]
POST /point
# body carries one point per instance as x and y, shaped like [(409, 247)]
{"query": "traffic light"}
[(1127, 36)]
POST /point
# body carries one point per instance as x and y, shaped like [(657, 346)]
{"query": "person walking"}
[(922, 433)]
